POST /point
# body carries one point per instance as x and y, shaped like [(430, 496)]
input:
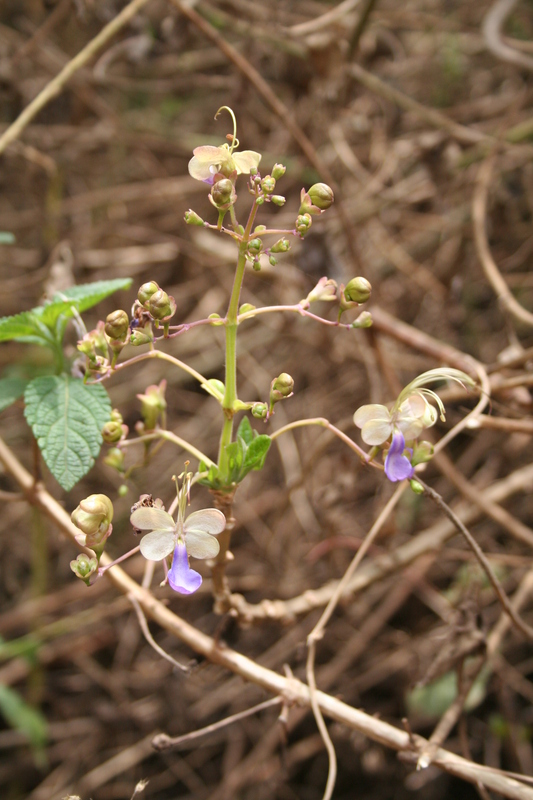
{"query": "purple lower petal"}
[(397, 465), (181, 577)]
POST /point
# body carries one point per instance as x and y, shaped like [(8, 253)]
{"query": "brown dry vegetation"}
[(96, 187)]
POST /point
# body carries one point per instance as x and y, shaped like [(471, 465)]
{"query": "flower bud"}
[(278, 171), (281, 246), (303, 223), (326, 289), (364, 320), (117, 325), (160, 305), (146, 291), (260, 229), (246, 307), (192, 218), (321, 195), (113, 432), (272, 261), (216, 319), (93, 517), (278, 199), (422, 452), (84, 567), (222, 192), (283, 384), (280, 388), (255, 246), (416, 486), (268, 184), (259, 410), (153, 404), (115, 459), (140, 337), (358, 290)]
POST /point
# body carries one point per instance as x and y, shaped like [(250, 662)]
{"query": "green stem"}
[(230, 395)]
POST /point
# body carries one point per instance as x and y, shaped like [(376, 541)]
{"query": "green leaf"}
[(6, 238), (19, 326), (256, 453), (22, 717), (66, 417), (88, 295), (245, 431), (50, 313), (10, 390)]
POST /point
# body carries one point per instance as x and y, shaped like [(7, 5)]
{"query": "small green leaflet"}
[(66, 417), (247, 453), (33, 326), (10, 390)]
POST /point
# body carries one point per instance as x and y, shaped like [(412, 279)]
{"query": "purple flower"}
[(397, 466), (181, 577)]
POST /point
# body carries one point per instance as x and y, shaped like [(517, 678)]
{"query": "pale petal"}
[(157, 545), (376, 431), (199, 171), (374, 411), (151, 519), (210, 520), (208, 154), (245, 160), (201, 545)]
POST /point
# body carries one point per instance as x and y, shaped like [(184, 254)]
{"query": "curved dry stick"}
[(479, 211), (290, 688), (55, 86), (491, 30), (319, 23)]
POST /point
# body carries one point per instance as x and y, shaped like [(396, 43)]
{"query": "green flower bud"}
[(358, 290), (278, 171), (303, 223), (278, 199), (260, 229), (416, 486), (192, 218), (93, 517), (283, 384), (115, 459), (364, 320), (281, 246), (117, 325), (268, 184), (112, 432), (139, 337), (422, 452), (84, 567), (280, 388), (146, 291), (259, 200), (216, 317), (321, 195), (257, 265), (153, 404), (159, 305), (273, 261), (223, 193), (259, 410), (255, 246)]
